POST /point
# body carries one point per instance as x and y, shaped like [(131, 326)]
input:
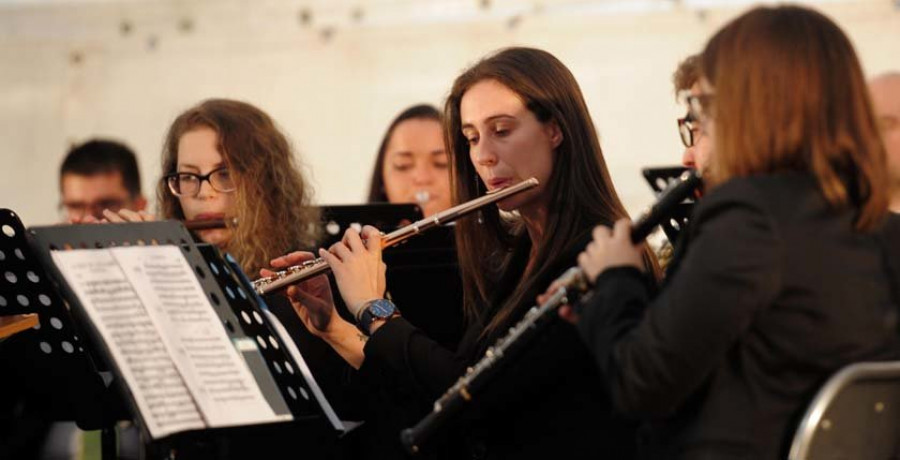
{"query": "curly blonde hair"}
[(272, 200)]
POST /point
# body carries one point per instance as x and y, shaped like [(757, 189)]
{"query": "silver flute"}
[(572, 285), (310, 268)]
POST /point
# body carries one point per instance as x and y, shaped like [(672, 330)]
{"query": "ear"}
[(554, 133)]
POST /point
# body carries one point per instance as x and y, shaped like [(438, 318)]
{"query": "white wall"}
[(67, 73)]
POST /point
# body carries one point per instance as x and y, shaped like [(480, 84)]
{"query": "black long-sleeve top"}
[(775, 292), (545, 404)]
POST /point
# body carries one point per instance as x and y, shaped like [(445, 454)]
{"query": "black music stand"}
[(383, 216), (67, 347), (423, 280), (423, 274), (39, 360)]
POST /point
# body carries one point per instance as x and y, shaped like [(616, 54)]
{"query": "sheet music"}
[(221, 383), (132, 338), (170, 344)]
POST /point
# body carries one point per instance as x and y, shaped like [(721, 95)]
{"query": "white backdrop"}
[(74, 69)]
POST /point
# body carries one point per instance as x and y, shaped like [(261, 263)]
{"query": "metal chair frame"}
[(807, 431)]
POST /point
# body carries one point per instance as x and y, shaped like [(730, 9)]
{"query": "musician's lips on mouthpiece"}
[(499, 183), (423, 196), (209, 215)]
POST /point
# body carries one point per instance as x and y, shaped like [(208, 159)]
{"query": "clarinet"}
[(318, 266), (572, 284)]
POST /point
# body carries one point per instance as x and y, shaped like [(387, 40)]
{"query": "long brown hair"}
[(581, 193), (790, 95), (272, 200), (377, 193)]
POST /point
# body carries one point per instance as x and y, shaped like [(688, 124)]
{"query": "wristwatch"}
[(374, 310)]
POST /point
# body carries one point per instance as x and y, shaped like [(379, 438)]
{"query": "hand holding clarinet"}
[(611, 247)]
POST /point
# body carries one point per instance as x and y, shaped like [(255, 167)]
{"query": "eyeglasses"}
[(700, 106), (688, 129), (78, 210), (188, 184)]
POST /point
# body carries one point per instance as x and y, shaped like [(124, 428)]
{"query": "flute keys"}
[(291, 271)]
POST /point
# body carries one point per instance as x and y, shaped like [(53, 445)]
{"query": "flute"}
[(572, 283), (310, 268), (207, 224)]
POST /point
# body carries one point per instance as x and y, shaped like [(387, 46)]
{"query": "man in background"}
[(98, 175), (885, 91), (686, 80)]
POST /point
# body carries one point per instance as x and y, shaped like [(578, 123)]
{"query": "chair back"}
[(854, 416)]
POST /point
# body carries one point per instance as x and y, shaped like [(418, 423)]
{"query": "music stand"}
[(67, 347), (383, 216)]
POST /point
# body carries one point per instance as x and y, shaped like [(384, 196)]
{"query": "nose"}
[(95, 211), (205, 191), (483, 154), (423, 174), (687, 158)]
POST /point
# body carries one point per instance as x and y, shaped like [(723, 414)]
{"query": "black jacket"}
[(775, 292), (545, 404)]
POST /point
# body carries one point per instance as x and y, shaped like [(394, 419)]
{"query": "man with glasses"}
[(686, 80), (98, 175), (687, 85), (885, 91)]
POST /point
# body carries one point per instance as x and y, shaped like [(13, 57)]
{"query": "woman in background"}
[(516, 114), (225, 159), (412, 165)]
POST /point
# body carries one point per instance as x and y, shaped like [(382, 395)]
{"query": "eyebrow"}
[(488, 120), (197, 168)]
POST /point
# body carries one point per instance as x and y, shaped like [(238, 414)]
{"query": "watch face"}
[(382, 308)]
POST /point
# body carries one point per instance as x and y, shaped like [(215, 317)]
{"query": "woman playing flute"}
[(516, 114)]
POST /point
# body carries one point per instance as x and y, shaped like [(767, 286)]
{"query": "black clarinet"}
[(572, 284)]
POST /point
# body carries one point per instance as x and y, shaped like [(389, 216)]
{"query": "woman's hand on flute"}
[(310, 298), (313, 303), (566, 311), (357, 267)]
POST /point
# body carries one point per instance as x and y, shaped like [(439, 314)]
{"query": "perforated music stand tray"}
[(67, 346)]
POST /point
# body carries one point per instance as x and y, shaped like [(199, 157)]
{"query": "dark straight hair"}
[(581, 192), (416, 112), (102, 156)]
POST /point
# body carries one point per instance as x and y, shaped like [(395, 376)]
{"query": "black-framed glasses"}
[(700, 106), (188, 184), (687, 129), (80, 209)]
